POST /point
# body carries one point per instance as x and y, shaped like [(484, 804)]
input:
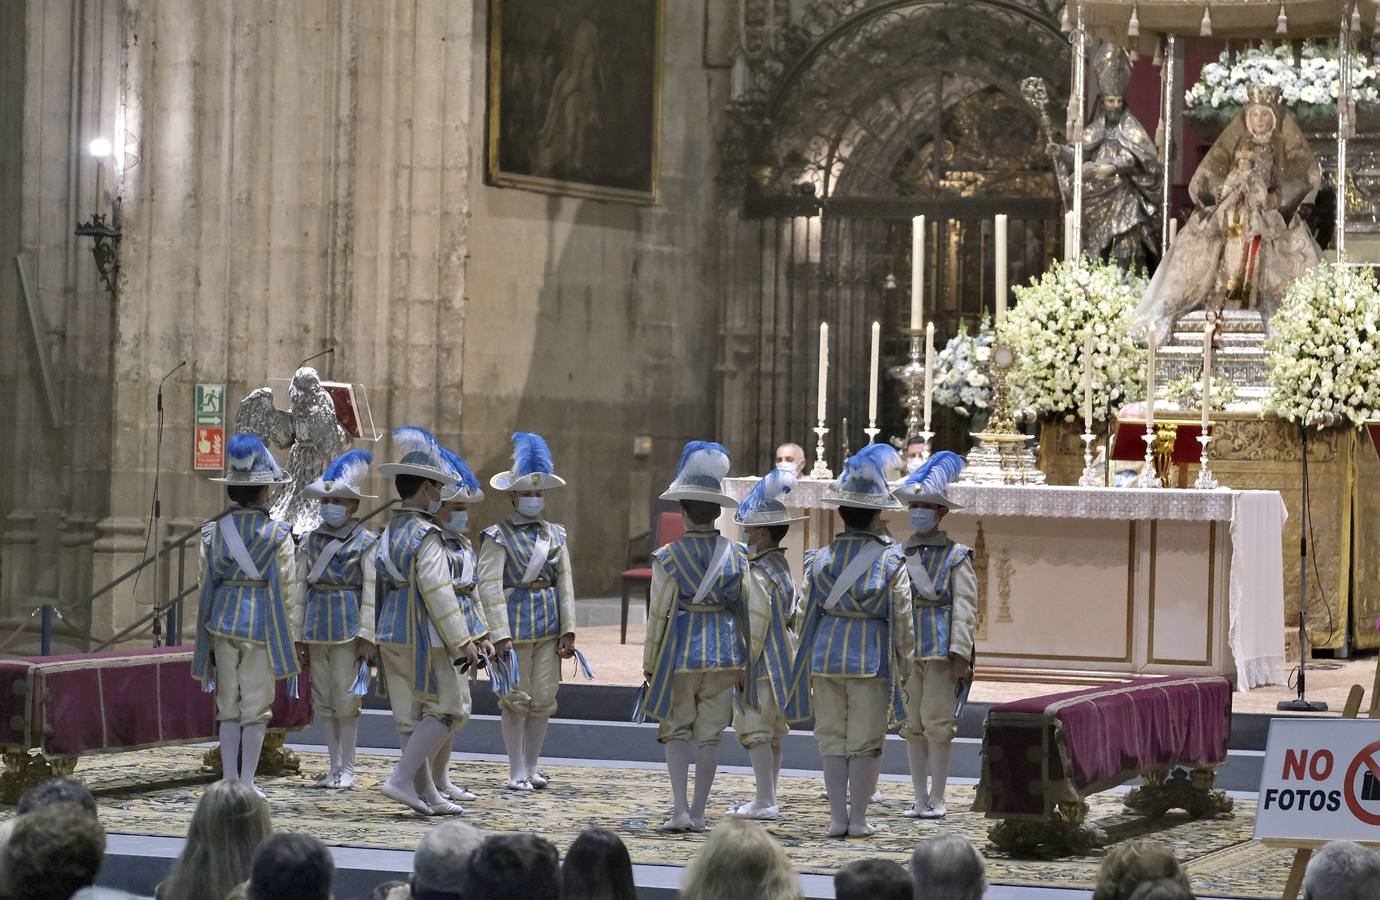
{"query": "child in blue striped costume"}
[(944, 594), (337, 565), (249, 614), (453, 519), (528, 593), (765, 522), (857, 640), (421, 631), (698, 632)]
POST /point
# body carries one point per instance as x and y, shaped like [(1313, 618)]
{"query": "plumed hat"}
[(249, 462), (464, 487), (930, 482), (532, 468), (342, 477), (863, 482), (763, 505), (700, 475), (421, 456)]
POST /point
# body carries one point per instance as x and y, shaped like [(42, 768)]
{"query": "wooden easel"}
[(1294, 883)]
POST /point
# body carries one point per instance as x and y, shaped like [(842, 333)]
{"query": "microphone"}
[(165, 378), (326, 352)]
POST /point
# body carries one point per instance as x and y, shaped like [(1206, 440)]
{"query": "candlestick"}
[(917, 272), (823, 370), (912, 378), (821, 468), (1205, 481), (999, 268), (1087, 380), (929, 372), (1207, 369), (872, 373), (1091, 476), (1070, 252)]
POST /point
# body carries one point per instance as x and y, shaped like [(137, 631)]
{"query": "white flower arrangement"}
[(1321, 359), (1046, 329), (962, 378), (1309, 88)]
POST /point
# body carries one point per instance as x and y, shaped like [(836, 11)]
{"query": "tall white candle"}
[(100, 184), (823, 369), (929, 371), (999, 267), (1207, 373), (872, 375), (917, 272), (1070, 252), (1087, 381), (1173, 230), (1150, 378)]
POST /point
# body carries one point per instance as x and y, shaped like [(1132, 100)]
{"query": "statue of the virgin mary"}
[(1245, 243)]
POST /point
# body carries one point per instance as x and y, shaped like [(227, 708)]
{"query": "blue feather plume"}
[(242, 448), (871, 462), (348, 467), (417, 440), (936, 472), (776, 483), (703, 458), (530, 454), (463, 475)]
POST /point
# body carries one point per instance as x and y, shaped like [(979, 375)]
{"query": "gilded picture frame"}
[(574, 97)]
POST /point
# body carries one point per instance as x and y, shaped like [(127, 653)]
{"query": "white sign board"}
[(1321, 782)]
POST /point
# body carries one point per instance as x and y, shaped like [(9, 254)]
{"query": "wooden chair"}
[(668, 527)]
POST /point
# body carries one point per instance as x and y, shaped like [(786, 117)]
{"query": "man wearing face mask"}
[(915, 453), (454, 518), (337, 565), (526, 586), (944, 595), (791, 457), (421, 630), (249, 613), (766, 521)]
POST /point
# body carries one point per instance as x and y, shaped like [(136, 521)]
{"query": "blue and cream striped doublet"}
[(777, 650), (933, 621), (461, 551), (705, 635), (400, 603), (332, 615), (533, 608), (234, 605)]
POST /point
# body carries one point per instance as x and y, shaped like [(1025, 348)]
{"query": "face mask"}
[(531, 507), (334, 514), (434, 506), (912, 463), (457, 521), (787, 465), (924, 520)]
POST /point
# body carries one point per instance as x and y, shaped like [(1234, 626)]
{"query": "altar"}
[(1087, 585)]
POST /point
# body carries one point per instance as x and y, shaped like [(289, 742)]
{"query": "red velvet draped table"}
[(1043, 756), (68, 706)]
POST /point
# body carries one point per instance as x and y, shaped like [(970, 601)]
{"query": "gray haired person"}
[(1342, 870), (442, 861), (948, 868)]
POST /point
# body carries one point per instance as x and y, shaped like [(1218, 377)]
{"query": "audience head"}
[(791, 456), (948, 868), (1162, 889), (872, 879), (1342, 870), (740, 860), (443, 859), (389, 889), (597, 867), (506, 866), (1132, 863), (58, 790), (291, 867), (228, 825), (53, 852)]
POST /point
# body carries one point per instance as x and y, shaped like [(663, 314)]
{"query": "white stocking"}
[(252, 737), (836, 786), (940, 754), (862, 781), (230, 750), (919, 754), (513, 726), (349, 736), (534, 734), (678, 767), (763, 771), (706, 764)]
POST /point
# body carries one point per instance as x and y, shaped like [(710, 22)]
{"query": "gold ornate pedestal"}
[(1190, 791), (1065, 833), (276, 759), (24, 770)]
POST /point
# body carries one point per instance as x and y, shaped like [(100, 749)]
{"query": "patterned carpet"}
[(153, 793)]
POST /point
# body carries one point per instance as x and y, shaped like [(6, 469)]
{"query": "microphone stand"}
[(158, 509), (1300, 703)]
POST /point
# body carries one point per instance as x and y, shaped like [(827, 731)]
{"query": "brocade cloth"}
[(1060, 748), (116, 701)]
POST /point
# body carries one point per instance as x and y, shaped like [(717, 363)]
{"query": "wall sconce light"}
[(104, 231)]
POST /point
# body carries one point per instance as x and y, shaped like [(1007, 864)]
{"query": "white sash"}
[(853, 571), (716, 566), (540, 550), (235, 544), (467, 568), (387, 557), (328, 553), (920, 579)]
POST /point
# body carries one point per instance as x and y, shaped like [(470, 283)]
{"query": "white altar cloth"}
[(1253, 582)]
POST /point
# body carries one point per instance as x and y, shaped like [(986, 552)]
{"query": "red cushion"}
[(637, 573)]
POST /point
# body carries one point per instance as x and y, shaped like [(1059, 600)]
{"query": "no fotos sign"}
[(1321, 782)]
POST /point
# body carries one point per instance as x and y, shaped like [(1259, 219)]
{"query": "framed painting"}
[(575, 97)]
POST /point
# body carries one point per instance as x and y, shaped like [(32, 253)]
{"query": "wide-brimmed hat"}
[(248, 462), (929, 483), (464, 486), (700, 474), (533, 469), (421, 456), (863, 482), (762, 506), (341, 479)]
